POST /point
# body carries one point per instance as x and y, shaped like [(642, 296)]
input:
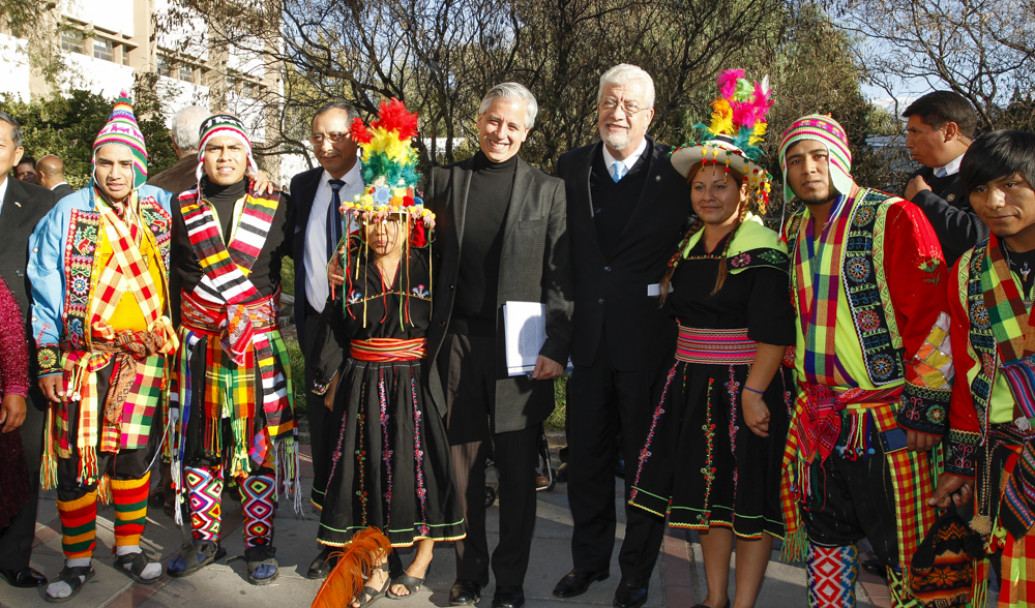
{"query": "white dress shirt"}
[(317, 250), (628, 161)]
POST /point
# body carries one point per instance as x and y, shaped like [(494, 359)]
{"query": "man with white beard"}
[(627, 208)]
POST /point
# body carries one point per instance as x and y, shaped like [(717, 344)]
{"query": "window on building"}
[(186, 73), (164, 66), (104, 49), (125, 55), (73, 41)]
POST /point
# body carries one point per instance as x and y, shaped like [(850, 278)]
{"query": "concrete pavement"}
[(678, 579)]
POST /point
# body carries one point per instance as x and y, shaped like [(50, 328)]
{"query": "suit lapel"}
[(462, 183), (16, 207), (518, 197), (648, 195), (305, 198)]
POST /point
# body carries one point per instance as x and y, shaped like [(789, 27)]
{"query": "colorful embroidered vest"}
[(862, 273), (81, 245)]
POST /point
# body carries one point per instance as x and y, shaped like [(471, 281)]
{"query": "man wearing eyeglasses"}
[(317, 195), (627, 207)]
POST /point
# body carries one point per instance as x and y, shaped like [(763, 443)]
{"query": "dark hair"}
[(16, 129), (698, 225), (941, 107), (348, 108), (27, 159), (998, 154)]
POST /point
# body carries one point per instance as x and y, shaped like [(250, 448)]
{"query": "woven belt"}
[(212, 318), (715, 346), (388, 349)]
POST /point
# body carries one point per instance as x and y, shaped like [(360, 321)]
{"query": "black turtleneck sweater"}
[(185, 270), (484, 222)]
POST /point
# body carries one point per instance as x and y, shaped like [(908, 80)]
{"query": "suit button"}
[(452, 286), (607, 269), (442, 324), (600, 300)]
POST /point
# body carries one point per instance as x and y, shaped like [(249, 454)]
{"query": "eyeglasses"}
[(317, 138), (629, 107)]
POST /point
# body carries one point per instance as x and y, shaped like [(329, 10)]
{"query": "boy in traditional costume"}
[(98, 267), (867, 283), (991, 444), (231, 385)]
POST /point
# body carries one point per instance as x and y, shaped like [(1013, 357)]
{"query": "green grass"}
[(555, 421), (297, 375)]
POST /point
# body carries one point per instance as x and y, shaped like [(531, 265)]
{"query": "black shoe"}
[(26, 577), (577, 582), (322, 565), (464, 593), (508, 596), (631, 593)]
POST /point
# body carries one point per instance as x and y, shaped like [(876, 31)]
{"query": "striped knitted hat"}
[(220, 125), (122, 129), (827, 131)]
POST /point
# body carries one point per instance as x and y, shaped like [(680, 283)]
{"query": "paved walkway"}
[(678, 579)]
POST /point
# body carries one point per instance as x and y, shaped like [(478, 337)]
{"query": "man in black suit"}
[(317, 195), (50, 171), (22, 206), (501, 237), (939, 130), (627, 208)]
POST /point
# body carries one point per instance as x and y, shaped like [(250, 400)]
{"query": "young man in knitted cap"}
[(231, 386), (98, 265), (867, 282)]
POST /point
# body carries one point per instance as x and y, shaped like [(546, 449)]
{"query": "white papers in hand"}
[(524, 329)]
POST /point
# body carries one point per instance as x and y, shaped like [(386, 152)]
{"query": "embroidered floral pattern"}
[(868, 320), (386, 451), (418, 454), (659, 411), (708, 470), (421, 291)]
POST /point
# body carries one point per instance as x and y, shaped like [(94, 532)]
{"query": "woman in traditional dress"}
[(711, 460), (390, 464)]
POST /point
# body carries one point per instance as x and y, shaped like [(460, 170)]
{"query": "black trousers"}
[(467, 366), (603, 404), (16, 539), (323, 428)]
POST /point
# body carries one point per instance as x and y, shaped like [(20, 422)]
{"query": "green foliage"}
[(66, 126), (297, 375)]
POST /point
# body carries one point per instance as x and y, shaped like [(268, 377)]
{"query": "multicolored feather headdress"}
[(389, 169), (731, 140)]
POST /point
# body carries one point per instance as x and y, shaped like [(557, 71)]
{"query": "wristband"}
[(757, 392)]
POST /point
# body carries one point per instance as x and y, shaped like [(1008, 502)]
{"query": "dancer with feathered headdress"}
[(390, 464), (727, 288)]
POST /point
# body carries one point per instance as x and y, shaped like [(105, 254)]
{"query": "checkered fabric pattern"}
[(1018, 587)]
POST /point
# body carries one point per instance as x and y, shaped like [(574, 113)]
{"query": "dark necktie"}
[(334, 227)]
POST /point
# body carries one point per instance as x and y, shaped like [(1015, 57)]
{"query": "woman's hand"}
[(756, 413)]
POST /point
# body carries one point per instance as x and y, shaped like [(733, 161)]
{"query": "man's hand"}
[(915, 185), (12, 412), (960, 489), (921, 442), (51, 387), (756, 413), (262, 184), (546, 369)]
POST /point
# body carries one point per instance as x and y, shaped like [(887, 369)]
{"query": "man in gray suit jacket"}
[(21, 206), (502, 236)]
